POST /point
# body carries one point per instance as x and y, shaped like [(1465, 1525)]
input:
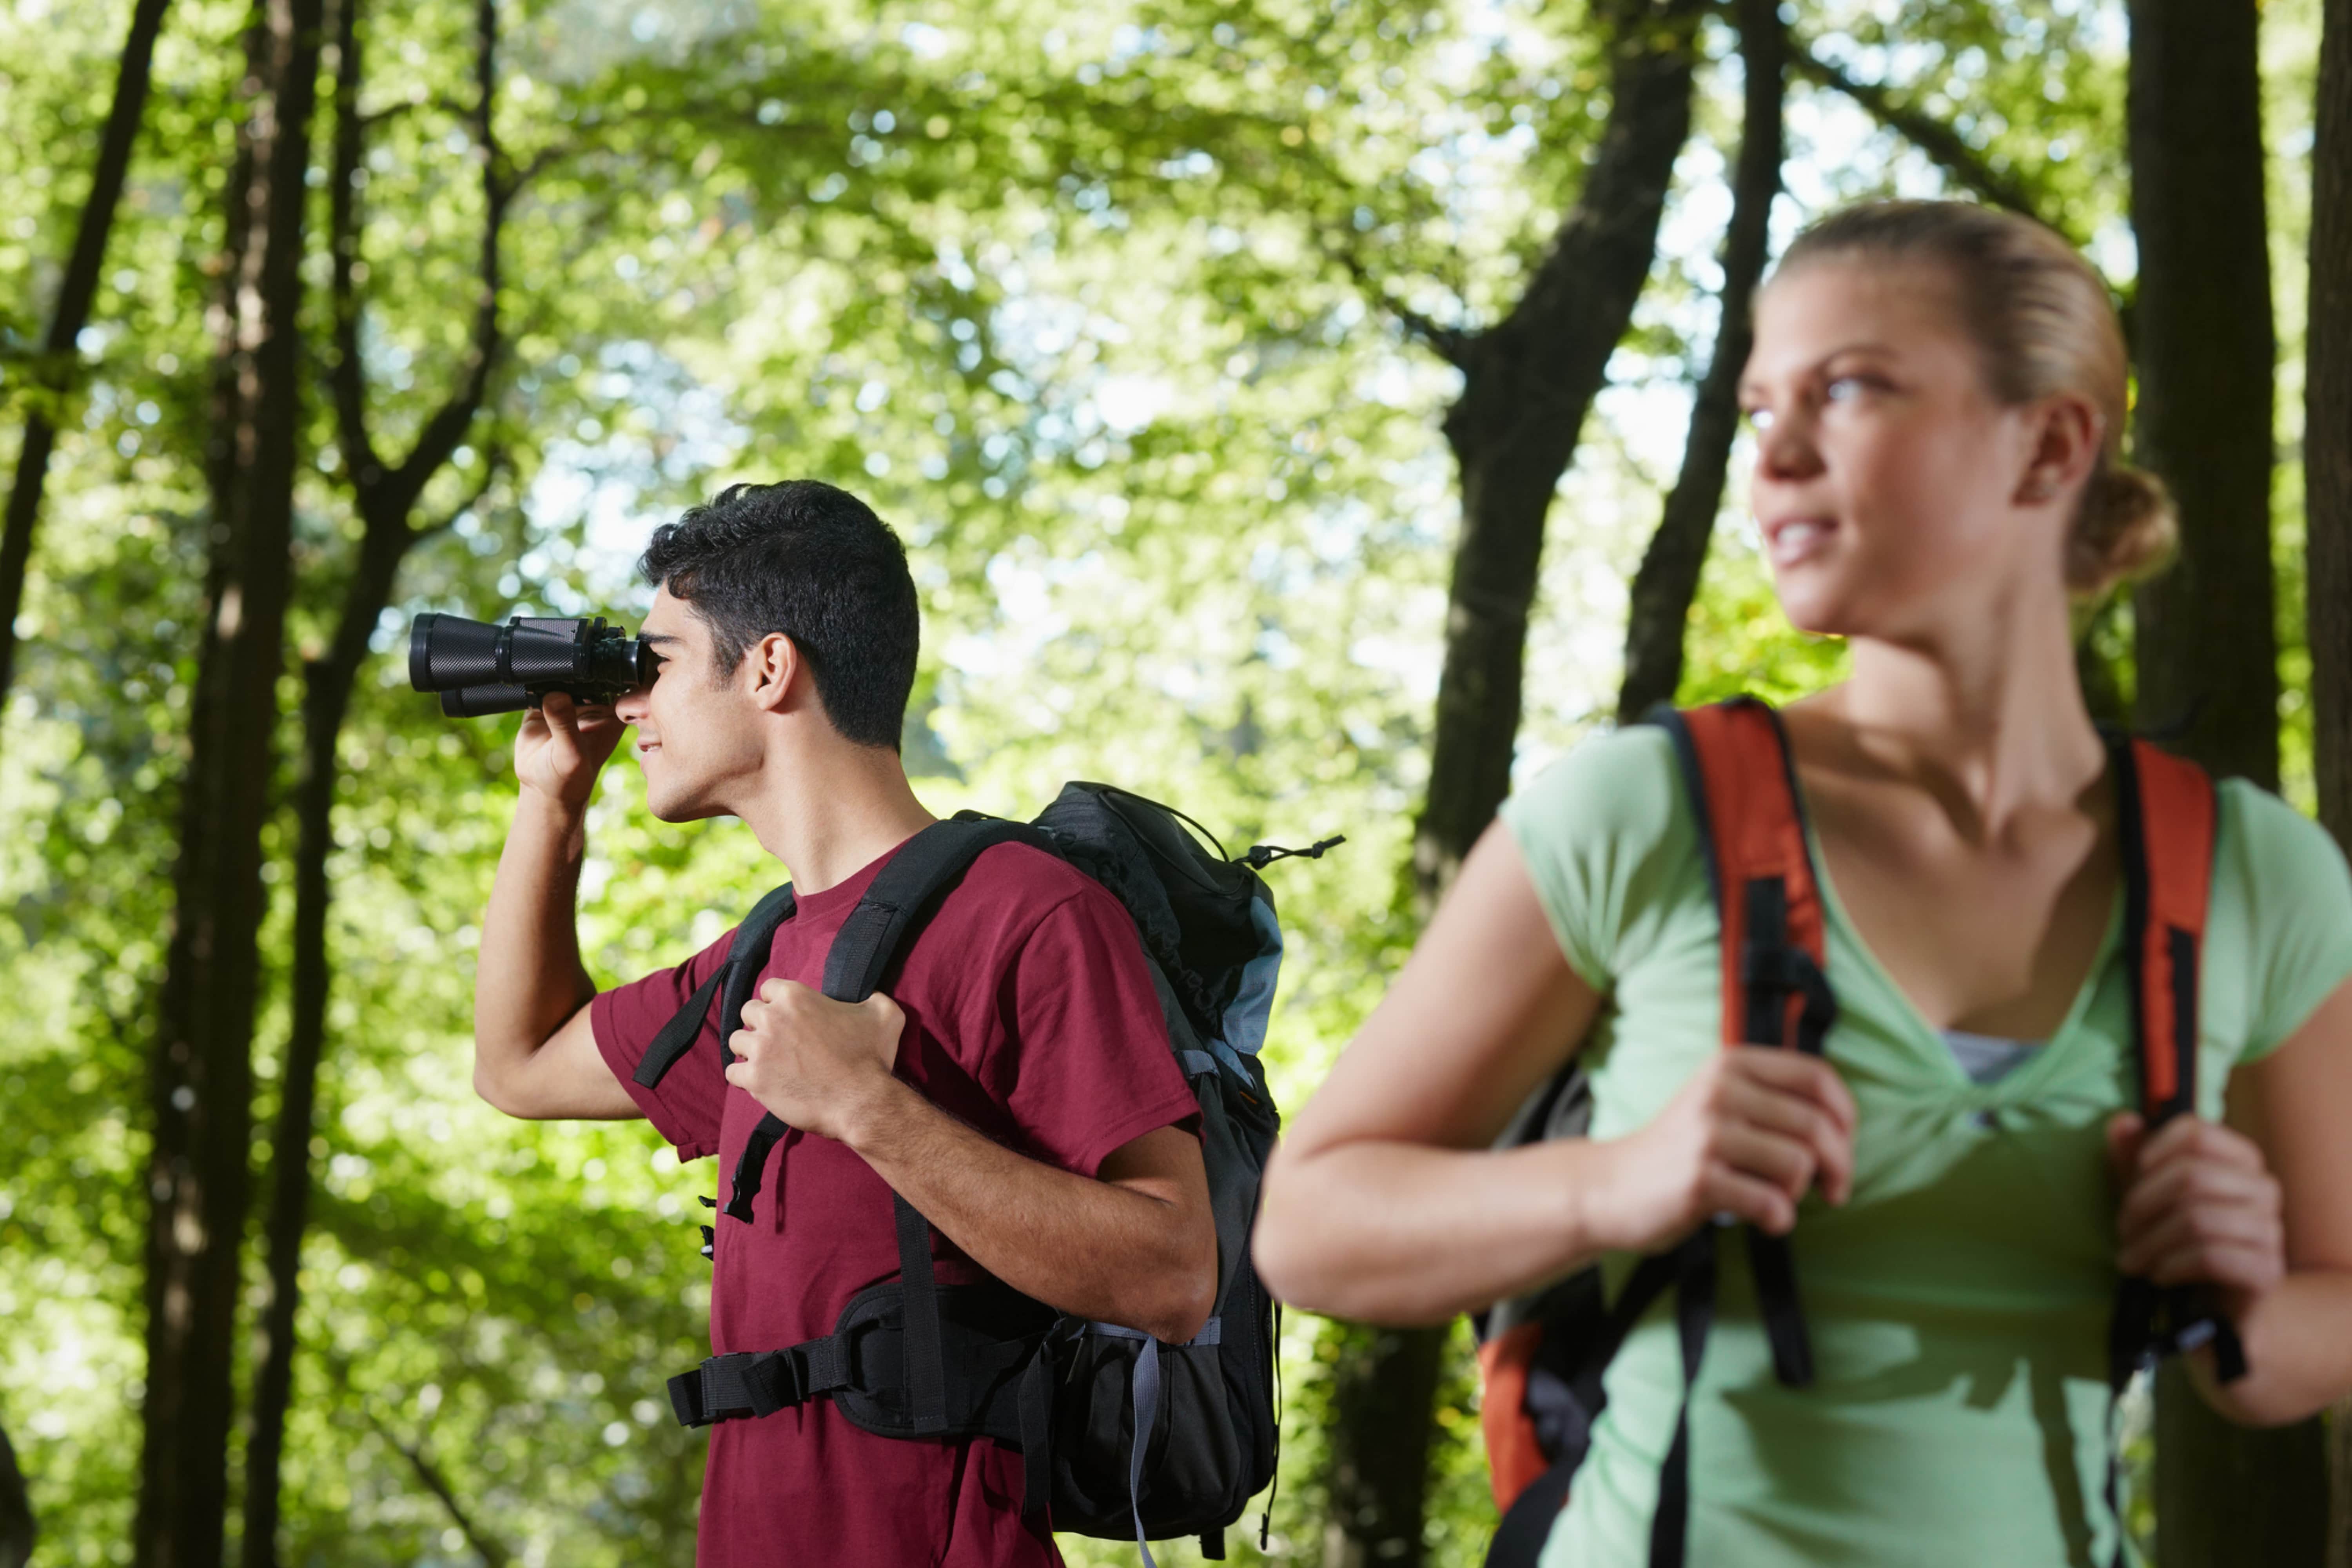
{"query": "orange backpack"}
[(1542, 1355)]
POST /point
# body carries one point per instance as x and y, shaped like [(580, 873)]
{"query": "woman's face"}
[(1894, 492)]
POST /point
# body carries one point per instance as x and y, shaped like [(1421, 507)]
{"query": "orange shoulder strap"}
[(1751, 826), (2166, 818)]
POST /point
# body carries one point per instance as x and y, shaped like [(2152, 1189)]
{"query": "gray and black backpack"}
[(1120, 1435)]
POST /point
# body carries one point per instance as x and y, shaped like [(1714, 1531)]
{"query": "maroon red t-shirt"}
[(1031, 1016)]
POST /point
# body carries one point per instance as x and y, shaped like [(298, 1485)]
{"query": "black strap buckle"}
[(759, 1383)]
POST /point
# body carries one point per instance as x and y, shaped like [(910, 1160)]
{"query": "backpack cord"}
[(1261, 855)]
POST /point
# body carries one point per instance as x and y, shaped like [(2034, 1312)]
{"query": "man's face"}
[(698, 733)]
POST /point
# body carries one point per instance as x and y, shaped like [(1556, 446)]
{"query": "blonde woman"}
[(1938, 393)]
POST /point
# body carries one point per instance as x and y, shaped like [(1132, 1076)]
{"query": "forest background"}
[(1314, 414)]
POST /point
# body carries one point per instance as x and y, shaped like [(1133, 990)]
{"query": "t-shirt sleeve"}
[(2299, 897), (1604, 835), (1090, 1067), (685, 1107)]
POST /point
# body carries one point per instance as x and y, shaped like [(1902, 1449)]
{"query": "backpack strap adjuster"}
[(759, 1383)]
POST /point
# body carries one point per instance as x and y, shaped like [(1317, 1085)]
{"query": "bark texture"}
[(1528, 382), (2327, 487), (202, 1069), (1668, 579), (2327, 425), (2207, 643), (386, 495), (76, 291), (18, 1534)]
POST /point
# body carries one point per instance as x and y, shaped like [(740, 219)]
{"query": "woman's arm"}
[(1385, 1203), (2263, 1209)]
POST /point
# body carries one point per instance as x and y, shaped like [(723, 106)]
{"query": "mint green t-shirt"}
[(1958, 1303)]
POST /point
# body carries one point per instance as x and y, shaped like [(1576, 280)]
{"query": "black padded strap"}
[(1773, 970), (927, 1377), (747, 954), (677, 1035), (1694, 1317), (901, 892), (746, 957), (1527, 1524), (1036, 1418)]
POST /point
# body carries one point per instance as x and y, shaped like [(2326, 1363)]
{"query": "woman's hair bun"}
[(2127, 529)]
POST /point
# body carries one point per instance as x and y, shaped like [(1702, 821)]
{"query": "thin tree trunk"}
[(2207, 646), (1527, 385), (387, 497), (198, 1176), (2327, 488), (2207, 649), (1668, 579), (75, 292)]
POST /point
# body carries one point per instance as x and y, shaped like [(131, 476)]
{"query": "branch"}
[(486, 1549), (1450, 343), (450, 423), (494, 464), (1945, 145)]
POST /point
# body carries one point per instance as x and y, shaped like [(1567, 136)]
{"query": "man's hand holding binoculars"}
[(562, 746)]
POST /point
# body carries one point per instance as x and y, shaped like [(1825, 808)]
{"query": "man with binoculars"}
[(1015, 1088)]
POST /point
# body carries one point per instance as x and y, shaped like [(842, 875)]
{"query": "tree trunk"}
[(2207, 649), (387, 497), (1668, 578), (2207, 646), (198, 1176), (2327, 487), (75, 292), (18, 1534), (2327, 427), (1527, 385)]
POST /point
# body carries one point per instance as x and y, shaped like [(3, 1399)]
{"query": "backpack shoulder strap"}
[(2167, 814), (736, 974), (1742, 789), (2167, 818), (903, 890), (871, 936)]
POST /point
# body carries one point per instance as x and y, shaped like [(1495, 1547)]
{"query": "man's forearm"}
[(529, 979), (1091, 1249)]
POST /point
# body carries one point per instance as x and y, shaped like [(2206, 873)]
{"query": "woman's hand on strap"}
[(1750, 1132), (2200, 1207), (1385, 1202)]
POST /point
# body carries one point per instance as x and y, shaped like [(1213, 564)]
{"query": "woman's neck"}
[(1992, 722)]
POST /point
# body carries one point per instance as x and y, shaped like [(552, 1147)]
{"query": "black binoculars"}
[(479, 668)]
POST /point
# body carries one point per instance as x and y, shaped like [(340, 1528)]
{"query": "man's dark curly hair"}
[(813, 563)]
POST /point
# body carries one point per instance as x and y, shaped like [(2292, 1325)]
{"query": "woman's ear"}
[(771, 665), (2067, 437)]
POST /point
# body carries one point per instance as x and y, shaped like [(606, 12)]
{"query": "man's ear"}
[(772, 666)]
